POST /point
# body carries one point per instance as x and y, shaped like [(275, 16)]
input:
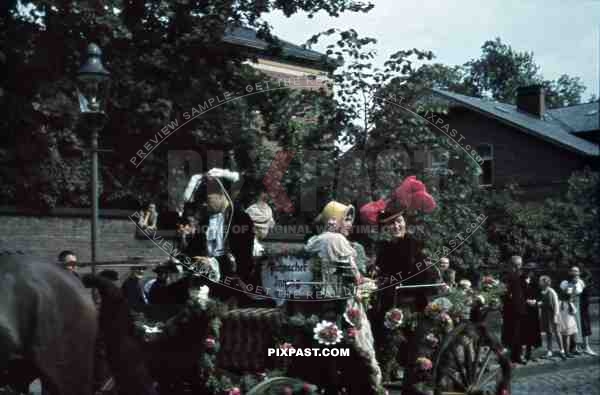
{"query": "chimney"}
[(531, 99)]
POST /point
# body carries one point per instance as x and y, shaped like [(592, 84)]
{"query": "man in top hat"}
[(222, 241), (132, 287)]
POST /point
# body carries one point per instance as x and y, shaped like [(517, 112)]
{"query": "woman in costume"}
[(342, 280), (336, 254), (400, 259)]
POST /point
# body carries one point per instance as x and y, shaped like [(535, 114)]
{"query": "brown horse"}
[(48, 327)]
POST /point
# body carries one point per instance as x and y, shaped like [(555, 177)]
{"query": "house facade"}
[(525, 144)]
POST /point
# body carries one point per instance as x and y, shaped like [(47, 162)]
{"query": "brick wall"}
[(45, 236)]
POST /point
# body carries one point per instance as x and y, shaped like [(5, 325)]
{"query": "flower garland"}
[(441, 316)]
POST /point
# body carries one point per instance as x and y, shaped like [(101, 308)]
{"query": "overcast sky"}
[(563, 34)]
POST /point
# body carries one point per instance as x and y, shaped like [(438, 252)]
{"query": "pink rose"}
[(210, 342), (286, 346), (234, 391), (424, 363)]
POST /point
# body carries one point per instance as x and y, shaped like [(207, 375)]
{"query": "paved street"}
[(582, 380)]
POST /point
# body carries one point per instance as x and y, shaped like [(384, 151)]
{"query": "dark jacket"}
[(401, 262), (134, 292), (584, 307), (123, 352), (531, 332), (239, 243), (159, 294), (515, 294), (513, 310)]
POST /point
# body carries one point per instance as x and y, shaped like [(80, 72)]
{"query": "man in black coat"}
[(133, 289), (221, 241), (514, 310)]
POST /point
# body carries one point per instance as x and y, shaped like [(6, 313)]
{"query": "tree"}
[(557, 233), (166, 57), (500, 70), (385, 120), (564, 91)]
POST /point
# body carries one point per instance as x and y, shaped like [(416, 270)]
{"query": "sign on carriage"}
[(277, 272)]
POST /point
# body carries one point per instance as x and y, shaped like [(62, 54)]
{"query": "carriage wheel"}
[(470, 361), (274, 386)]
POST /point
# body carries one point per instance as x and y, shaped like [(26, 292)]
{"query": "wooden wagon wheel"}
[(274, 386), (470, 361)]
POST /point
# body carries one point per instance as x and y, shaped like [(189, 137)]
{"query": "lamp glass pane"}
[(92, 92)]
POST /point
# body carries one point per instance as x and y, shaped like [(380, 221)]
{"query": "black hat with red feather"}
[(410, 195)]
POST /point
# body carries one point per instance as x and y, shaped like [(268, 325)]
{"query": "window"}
[(486, 152)]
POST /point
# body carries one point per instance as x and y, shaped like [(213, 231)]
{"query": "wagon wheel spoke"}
[(468, 356), (491, 375), (459, 366), (451, 374), (486, 361), (477, 347)]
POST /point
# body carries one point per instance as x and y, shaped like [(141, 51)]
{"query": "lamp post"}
[(93, 83)]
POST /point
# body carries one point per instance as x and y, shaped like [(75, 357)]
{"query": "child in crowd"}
[(550, 315), (567, 323)]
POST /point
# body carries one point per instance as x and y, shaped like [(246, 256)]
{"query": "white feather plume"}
[(188, 194)]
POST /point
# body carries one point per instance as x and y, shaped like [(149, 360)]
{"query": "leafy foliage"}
[(557, 233), (395, 138), (166, 58), (501, 70)]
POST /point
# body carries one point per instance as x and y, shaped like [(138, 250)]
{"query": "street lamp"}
[(93, 83)]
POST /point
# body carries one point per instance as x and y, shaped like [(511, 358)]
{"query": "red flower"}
[(352, 332), (307, 387)]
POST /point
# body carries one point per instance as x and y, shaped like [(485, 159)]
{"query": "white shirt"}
[(214, 235), (577, 287)]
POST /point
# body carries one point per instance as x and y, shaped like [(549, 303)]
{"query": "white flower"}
[(327, 333), (200, 294), (152, 329), (481, 299), (464, 284)]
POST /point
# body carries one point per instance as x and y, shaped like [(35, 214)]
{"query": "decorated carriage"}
[(242, 340), (210, 346), (447, 348)]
